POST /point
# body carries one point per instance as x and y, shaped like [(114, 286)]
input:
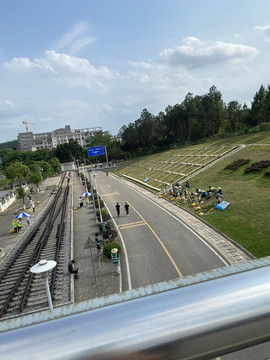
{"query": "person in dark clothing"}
[(73, 270), (97, 242), (117, 206), (127, 208)]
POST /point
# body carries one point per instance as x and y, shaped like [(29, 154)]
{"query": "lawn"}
[(245, 220)]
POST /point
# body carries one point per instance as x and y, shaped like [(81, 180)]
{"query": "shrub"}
[(105, 217), (101, 203), (110, 234), (108, 248), (236, 164), (267, 173), (258, 166), (109, 225), (103, 212)]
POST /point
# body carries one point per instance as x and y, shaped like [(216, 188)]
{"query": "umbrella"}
[(86, 194), (22, 215)]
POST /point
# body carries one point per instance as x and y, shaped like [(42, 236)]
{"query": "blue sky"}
[(90, 63)]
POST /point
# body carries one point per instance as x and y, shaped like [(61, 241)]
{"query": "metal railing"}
[(198, 321)]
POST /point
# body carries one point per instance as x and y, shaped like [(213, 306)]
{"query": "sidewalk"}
[(7, 240), (95, 279)]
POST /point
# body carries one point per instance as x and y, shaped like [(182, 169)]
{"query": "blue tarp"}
[(222, 205)]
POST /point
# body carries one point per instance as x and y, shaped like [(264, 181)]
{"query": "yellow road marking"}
[(129, 225), (110, 194), (161, 243)]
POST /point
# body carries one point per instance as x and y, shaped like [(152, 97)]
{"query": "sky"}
[(99, 63)]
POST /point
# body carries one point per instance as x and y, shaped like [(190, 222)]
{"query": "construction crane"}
[(25, 122)]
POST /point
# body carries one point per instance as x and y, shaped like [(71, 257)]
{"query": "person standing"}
[(33, 206), (117, 206), (15, 226), (127, 208), (19, 225), (80, 201), (115, 259), (28, 220)]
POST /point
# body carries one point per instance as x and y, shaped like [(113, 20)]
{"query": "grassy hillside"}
[(246, 218)]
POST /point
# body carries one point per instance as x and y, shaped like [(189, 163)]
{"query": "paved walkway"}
[(97, 277)]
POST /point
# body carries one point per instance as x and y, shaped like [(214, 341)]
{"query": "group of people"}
[(198, 194), (82, 199), (118, 208), (17, 225)]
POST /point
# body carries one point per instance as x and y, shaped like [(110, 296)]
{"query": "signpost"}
[(95, 151)]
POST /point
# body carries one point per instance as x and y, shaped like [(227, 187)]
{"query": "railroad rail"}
[(20, 290)]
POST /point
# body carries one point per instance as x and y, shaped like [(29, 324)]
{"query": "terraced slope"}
[(246, 218)]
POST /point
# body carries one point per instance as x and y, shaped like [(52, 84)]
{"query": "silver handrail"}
[(198, 321)]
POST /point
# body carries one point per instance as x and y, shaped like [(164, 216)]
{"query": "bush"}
[(103, 212), (258, 166), (109, 225), (101, 203), (236, 164), (109, 235), (105, 217), (267, 173), (108, 248)]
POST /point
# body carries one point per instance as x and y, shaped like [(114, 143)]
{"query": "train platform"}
[(97, 276)]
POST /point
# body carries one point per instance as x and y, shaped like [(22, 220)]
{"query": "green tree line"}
[(195, 119)]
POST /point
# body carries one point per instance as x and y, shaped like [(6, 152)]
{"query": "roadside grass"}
[(245, 220)]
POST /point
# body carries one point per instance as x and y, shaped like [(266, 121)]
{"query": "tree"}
[(214, 108), (258, 107), (35, 178), (19, 171), (21, 195), (69, 151), (102, 138), (55, 165), (105, 139)]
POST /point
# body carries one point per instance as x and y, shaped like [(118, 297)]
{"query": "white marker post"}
[(43, 268)]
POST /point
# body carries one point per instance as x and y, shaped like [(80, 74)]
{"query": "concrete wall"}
[(7, 200)]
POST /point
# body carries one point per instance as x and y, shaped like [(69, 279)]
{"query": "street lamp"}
[(94, 175), (92, 192), (43, 268)]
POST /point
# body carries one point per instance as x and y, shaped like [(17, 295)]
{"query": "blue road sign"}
[(95, 151)]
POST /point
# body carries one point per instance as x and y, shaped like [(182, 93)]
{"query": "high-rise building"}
[(31, 141)]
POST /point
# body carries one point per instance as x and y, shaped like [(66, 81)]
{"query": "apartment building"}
[(31, 141)]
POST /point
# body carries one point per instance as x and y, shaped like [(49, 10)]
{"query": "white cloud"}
[(76, 39), (194, 53), (71, 71), (265, 31)]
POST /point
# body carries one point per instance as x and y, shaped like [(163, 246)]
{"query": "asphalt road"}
[(159, 246)]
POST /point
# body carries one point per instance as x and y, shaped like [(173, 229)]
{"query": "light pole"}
[(94, 175), (92, 192), (43, 268)]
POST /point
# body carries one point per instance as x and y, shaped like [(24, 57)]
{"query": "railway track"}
[(22, 291)]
